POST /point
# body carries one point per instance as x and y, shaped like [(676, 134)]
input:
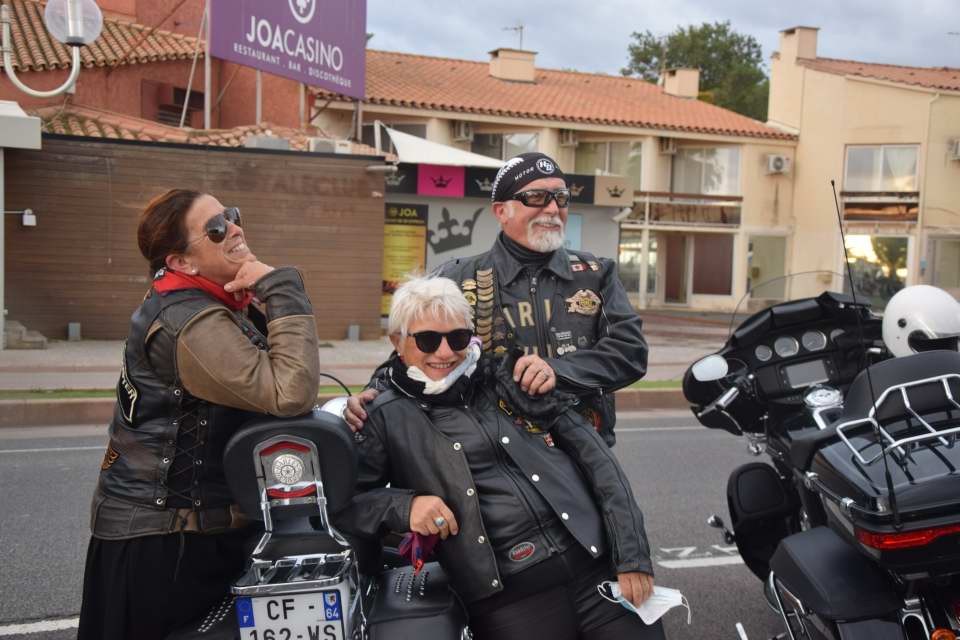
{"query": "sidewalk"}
[(676, 340)]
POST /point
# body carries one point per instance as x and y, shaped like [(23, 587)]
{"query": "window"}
[(766, 262), (620, 158), (879, 266), (503, 146), (881, 168), (628, 264), (707, 171), (419, 130)]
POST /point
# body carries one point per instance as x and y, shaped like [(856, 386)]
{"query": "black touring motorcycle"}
[(305, 580), (854, 525)]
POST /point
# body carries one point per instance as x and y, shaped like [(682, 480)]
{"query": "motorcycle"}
[(305, 579), (853, 526)]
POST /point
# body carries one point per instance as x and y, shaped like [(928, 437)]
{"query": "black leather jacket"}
[(573, 312), (415, 448)]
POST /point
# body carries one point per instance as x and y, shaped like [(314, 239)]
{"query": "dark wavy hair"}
[(162, 228)]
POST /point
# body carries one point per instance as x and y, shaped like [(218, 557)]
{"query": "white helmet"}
[(921, 318)]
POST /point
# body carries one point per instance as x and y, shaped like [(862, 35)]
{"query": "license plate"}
[(299, 616)]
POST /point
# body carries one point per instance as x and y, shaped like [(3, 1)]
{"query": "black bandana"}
[(520, 171)]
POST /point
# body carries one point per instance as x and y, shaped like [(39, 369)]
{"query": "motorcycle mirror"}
[(710, 368)]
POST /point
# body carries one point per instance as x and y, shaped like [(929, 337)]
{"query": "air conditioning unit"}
[(568, 138), (462, 131), (777, 164), (953, 149), (668, 146), (329, 145)]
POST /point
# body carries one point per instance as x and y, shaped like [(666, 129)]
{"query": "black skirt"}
[(146, 587)]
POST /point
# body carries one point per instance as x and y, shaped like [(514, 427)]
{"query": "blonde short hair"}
[(425, 297)]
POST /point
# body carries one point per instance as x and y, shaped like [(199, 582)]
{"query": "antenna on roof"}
[(519, 30)]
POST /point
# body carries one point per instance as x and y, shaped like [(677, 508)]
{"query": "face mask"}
[(465, 368), (660, 601)]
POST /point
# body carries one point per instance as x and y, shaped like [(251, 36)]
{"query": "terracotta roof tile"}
[(465, 86), (945, 78), (120, 42), (90, 122)]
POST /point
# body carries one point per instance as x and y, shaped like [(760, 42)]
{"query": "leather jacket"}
[(573, 312), (162, 471), (415, 447)]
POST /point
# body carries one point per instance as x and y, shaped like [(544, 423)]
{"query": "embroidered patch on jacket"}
[(594, 266), (522, 551), (585, 302), (578, 266), (109, 457), (127, 393)]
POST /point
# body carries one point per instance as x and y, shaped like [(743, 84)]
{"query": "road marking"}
[(39, 627), (696, 563), (634, 429), (94, 448)]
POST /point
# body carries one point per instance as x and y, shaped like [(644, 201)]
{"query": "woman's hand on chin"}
[(426, 514), (247, 275)]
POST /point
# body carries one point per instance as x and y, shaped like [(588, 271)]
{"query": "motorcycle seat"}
[(832, 578), (803, 447)]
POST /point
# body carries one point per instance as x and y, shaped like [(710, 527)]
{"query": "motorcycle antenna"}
[(873, 396)]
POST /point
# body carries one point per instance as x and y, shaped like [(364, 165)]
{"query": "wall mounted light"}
[(27, 217), (76, 23)]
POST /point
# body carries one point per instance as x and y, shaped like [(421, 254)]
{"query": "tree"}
[(730, 64)]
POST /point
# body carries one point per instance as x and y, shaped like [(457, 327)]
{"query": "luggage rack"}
[(899, 445)]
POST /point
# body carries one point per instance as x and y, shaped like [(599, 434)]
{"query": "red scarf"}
[(176, 281)]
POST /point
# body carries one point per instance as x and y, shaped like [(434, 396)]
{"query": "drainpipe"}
[(920, 253)]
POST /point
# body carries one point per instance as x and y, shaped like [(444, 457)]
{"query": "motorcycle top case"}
[(924, 475)]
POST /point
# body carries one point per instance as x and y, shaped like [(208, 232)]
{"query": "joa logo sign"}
[(318, 42)]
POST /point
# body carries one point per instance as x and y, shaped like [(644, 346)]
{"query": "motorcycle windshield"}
[(763, 294)]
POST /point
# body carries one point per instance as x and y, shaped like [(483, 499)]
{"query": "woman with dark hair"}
[(198, 362)]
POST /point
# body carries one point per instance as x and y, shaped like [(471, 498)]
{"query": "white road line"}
[(696, 563), (39, 627), (94, 448), (634, 429)]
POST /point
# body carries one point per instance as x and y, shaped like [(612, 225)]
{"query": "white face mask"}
[(660, 601)]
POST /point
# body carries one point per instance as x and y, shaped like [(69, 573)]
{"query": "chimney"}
[(513, 64), (683, 83), (798, 42)]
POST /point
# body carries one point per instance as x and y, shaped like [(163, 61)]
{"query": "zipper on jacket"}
[(510, 474), (538, 321)]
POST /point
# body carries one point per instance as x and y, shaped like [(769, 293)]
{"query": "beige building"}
[(889, 136), (712, 194)]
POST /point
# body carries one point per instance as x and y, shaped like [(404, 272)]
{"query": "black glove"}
[(535, 408)]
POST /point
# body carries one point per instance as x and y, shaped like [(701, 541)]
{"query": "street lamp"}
[(76, 23)]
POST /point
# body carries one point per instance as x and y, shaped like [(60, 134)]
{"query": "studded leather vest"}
[(165, 445)]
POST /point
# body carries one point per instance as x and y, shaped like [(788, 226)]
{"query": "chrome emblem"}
[(288, 469)]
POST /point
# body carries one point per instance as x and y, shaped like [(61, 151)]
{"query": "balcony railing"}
[(881, 206), (685, 209)]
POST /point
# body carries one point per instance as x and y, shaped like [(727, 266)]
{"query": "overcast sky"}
[(593, 35)]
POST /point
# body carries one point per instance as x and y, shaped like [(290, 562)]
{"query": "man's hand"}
[(426, 512), (247, 275), (353, 413), (534, 375), (635, 586)]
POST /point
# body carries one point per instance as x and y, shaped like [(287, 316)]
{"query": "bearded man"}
[(567, 310)]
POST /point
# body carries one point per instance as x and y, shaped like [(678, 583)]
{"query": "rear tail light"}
[(943, 634), (287, 471), (904, 539)]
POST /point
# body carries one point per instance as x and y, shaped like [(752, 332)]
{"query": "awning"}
[(17, 129), (419, 151)]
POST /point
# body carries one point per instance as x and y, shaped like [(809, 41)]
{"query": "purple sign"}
[(318, 42)]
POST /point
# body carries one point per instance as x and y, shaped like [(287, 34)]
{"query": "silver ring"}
[(544, 374), (439, 522)]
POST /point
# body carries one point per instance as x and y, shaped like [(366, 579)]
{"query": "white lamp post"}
[(73, 22)]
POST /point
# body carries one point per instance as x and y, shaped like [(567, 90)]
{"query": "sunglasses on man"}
[(542, 197), (429, 341), (215, 228)]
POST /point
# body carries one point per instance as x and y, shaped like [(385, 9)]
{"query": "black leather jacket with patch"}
[(564, 486), (573, 312)]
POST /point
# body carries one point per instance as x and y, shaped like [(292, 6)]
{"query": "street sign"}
[(320, 43)]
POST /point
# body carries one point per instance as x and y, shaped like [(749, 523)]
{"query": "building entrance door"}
[(675, 280)]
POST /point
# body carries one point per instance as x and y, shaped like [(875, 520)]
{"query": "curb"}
[(84, 411)]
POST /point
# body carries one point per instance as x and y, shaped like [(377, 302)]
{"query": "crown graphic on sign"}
[(615, 191), (484, 185), (394, 179), (452, 234), (441, 181), (576, 189)]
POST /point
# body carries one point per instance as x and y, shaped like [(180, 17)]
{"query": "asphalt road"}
[(678, 471)]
